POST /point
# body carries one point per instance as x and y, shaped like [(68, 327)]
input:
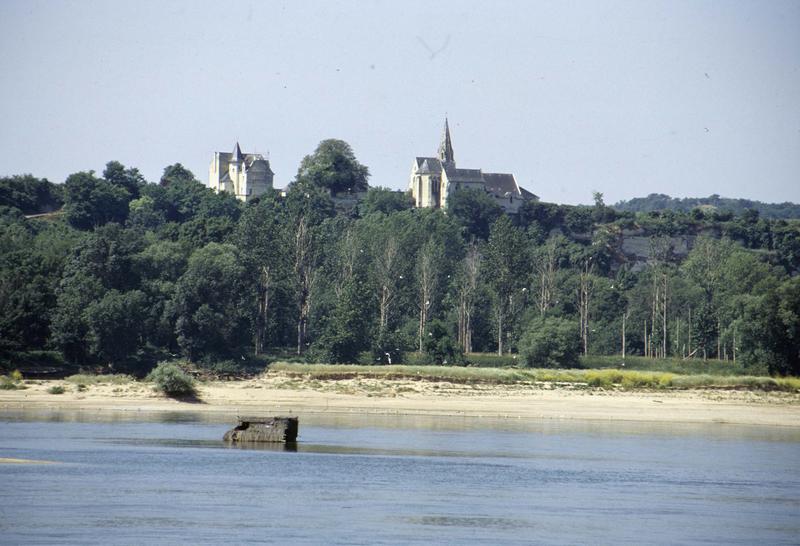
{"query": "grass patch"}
[(56, 389), (671, 365), (86, 379), (453, 374), (595, 378)]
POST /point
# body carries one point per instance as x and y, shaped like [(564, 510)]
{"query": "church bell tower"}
[(446, 147)]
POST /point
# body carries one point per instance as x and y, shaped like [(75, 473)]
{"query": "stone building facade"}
[(245, 176), (434, 179)]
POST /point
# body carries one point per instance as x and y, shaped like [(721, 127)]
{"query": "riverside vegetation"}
[(120, 274), (174, 379)]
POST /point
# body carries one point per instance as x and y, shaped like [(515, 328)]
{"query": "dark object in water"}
[(274, 429)]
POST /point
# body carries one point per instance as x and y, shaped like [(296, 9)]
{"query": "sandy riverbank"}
[(284, 395)]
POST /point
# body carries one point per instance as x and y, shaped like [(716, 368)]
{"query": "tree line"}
[(660, 201), (131, 273)]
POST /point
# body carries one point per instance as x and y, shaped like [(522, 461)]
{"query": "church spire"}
[(446, 147)]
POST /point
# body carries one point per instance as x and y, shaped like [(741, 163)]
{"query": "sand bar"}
[(11, 460), (281, 395)]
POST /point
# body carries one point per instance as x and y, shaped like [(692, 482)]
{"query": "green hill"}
[(660, 201)]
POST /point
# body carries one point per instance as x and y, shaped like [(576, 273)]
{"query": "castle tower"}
[(235, 164), (245, 176), (446, 147)]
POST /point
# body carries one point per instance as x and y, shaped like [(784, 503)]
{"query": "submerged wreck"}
[(260, 430)]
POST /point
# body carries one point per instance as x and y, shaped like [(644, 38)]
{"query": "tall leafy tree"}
[(29, 194), (91, 202), (177, 173), (130, 180), (264, 240), (116, 325), (210, 303), (333, 166), (507, 265), (386, 201), (475, 211)]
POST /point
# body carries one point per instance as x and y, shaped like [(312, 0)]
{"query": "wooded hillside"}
[(133, 273)]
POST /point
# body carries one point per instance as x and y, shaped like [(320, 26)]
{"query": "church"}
[(246, 176), (434, 179)]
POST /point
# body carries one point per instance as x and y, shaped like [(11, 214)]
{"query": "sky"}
[(622, 97)]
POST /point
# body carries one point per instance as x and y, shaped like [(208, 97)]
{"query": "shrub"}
[(550, 343), (12, 381), (603, 378), (56, 389), (7, 384), (388, 349), (416, 359), (171, 380), (440, 346)]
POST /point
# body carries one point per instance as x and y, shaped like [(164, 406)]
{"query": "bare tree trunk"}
[(624, 322), (500, 330), (348, 253), (421, 327), (426, 275), (664, 319), (466, 296), (468, 332), (547, 270), (386, 264), (584, 295), (304, 268), (265, 283), (690, 333)]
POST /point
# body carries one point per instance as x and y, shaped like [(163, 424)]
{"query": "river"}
[(168, 478)]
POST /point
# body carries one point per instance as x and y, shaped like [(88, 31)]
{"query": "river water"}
[(162, 479)]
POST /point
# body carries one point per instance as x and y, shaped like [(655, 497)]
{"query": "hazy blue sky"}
[(622, 97)]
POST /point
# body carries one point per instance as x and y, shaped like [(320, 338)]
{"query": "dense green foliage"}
[(133, 273), (30, 195), (660, 202), (333, 166), (550, 342), (168, 378)]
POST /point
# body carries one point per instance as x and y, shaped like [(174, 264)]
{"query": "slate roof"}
[(501, 184), (250, 159), (463, 175), (426, 165)]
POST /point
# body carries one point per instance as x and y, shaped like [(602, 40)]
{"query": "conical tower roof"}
[(446, 147), (237, 155)]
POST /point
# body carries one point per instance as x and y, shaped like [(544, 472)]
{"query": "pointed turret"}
[(446, 147), (237, 156)]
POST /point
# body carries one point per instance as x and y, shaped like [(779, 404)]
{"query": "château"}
[(245, 176)]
